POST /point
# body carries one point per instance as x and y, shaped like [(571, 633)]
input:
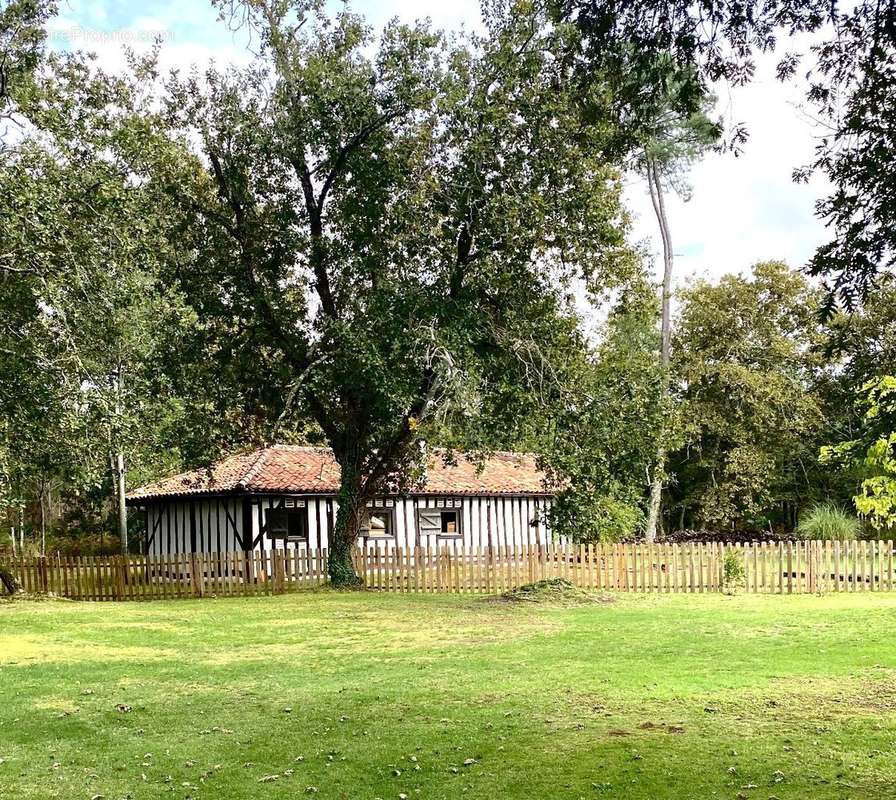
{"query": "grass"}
[(828, 521), (378, 696)]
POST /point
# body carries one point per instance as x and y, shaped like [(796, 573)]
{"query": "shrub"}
[(734, 575), (828, 521)]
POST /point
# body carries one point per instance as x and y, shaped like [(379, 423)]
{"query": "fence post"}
[(43, 583), (115, 577), (278, 569), (196, 578), (789, 567)]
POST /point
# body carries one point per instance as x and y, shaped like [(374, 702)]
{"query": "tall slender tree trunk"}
[(659, 208), (118, 469), (122, 508), (43, 518)]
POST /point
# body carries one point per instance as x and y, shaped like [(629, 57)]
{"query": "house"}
[(284, 497)]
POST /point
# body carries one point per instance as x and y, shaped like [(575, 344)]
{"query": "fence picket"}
[(888, 543)]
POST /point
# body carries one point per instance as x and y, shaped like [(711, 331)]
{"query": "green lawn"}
[(367, 695)]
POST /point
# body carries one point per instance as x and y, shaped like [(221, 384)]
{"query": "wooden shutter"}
[(429, 521)]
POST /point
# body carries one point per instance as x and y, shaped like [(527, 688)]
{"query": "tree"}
[(862, 345), (83, 234), (852, 86), (394, 227), (671, 144), (873, 454), (746, 359), (600, 438), (22, 38)]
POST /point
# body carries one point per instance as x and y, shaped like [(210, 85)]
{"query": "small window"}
[(379, 523), (290, 524), (450, 523), (445, 522)]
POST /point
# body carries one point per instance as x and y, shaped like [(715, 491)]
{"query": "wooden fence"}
[(766, 568)]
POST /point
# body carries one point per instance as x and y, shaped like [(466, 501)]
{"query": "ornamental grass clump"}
[(829, 522)]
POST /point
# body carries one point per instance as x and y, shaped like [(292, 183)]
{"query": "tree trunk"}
[(659, 207), (43, 519), (349, 516), (7, 579), (122, 508), (117, 462)]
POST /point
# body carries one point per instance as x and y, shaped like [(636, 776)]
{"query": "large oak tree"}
[(394, 224)]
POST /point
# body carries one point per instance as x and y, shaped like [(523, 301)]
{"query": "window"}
[(379, 523), (289, 524), (443, 520), (450, 523)]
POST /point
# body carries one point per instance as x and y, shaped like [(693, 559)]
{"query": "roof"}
[(292, 469)]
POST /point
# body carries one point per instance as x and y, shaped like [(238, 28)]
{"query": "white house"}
[(284, 496)]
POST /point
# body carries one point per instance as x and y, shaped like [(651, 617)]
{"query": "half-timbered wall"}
[(218, 524), (207, 525)]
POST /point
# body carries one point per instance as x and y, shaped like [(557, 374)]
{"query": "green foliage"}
[(877, 501), (396, 227), (851, 88), (592, 516), (745, 362), (734, 573), (873, 454), (828, 522), (97, 344), (673, 139), (601, 438), (22, 39)]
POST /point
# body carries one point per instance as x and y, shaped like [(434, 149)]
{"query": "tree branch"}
[(242, 235)]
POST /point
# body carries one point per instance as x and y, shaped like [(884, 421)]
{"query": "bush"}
[(734, 574), (587, 517), (828, 521)]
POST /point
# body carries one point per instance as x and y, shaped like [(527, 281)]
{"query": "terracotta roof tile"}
[(313, 470)]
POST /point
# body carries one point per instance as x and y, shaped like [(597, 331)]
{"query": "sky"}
[(741, 209)]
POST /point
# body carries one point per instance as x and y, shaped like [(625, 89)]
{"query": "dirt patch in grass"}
[(26, 597), (871, 692), (555, 591), (32, 649)]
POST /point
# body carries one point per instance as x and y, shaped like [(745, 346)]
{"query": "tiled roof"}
[(313, 470)]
